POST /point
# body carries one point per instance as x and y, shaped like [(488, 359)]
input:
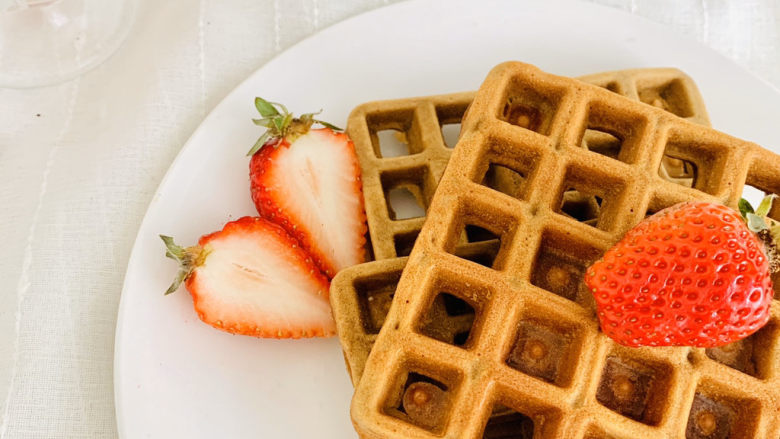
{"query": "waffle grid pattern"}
[(361, 295), (660, 385), (420, 122)]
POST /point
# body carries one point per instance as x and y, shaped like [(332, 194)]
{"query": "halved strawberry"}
[(308, 181), (252, 278)]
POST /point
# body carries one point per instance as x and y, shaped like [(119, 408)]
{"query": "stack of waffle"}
[(491, 332)]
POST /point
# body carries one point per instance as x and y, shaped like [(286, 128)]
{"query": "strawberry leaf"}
[(180, 277), (766, 205), (328, 125), (756, 223), (183, 257), (262, 122), (259, 144), (279, 123), (745, 208), (172, 250), (265, 108), (281, 106)]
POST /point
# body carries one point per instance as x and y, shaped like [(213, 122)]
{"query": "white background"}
[(79, 163)]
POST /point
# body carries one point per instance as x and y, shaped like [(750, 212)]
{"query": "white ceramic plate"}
[(176, 377)]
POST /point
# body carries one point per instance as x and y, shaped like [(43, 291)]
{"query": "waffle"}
[(418, 124), (361, 295), (533, 361)]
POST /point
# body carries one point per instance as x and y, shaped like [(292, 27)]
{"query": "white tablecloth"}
[(79, 162)]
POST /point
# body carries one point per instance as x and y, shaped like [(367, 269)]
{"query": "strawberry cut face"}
[(312, 188), (256, 280)]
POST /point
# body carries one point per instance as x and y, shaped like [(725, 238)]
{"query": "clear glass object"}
[(45, 42)]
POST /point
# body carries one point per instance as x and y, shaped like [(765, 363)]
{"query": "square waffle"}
[(533, 361), (361, 295), (420, 124)]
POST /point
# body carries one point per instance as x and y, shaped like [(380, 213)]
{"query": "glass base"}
[(45, 42)]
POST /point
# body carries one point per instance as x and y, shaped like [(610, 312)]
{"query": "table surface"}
[(80, 162)]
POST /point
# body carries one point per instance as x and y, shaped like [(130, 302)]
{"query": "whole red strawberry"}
[(691, 275), (308, 181)]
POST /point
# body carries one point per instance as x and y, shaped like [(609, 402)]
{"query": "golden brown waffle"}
[(418, 122), (361, 295), (534, 353)]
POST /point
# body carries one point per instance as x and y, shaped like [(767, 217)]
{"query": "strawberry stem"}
[(770, 247), (281, 124), (189, 259), (766, 228)]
